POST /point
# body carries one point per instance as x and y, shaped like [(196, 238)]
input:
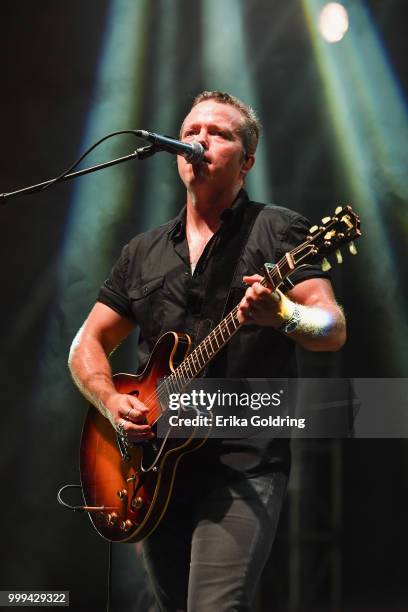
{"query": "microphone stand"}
[(141, 153)]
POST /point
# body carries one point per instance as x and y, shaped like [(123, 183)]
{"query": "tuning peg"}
[(352, 248), (313, 229), (326, 220), (326, 265), (339, 257), (338, 209)]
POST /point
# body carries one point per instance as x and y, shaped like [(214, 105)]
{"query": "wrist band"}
[(292, 323), (313, 321)]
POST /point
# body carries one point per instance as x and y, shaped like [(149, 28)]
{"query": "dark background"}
[(354, 492)]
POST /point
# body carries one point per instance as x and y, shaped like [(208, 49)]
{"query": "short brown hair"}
[(251, 125)]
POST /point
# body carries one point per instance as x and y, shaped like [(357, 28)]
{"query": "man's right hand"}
[(128, 416)]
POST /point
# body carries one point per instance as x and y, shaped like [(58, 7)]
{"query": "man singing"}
[(209, 550)]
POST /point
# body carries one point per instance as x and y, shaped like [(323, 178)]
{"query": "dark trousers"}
[(209, 550)]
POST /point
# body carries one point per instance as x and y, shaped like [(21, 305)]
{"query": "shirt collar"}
[(177, 228), (232, 214), (228, 216)]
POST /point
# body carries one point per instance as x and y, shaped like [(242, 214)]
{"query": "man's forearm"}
[(320, 327), (91, 372)]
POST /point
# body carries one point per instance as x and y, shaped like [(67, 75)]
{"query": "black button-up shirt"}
[(152, 284)]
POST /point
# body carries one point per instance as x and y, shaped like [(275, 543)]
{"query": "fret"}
[(191, 365), (223, 341), (200, 365), (181, 371), (196, 359), (220, 328), (200, 358), (235, 319), (200, 348), (194, 365), (175, 386), (227, 327), (194, 368), (204, 342), (184, 372), (177, 380)]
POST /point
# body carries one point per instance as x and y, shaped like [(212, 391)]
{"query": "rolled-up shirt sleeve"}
[(113, 292)]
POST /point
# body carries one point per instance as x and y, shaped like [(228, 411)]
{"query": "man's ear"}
[(247, 165)]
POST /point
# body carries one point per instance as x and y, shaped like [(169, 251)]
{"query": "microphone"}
[(192, 152)]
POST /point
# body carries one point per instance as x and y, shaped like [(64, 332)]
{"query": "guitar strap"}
[(224, 267)]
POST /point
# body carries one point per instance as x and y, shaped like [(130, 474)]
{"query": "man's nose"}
[(202, 138)]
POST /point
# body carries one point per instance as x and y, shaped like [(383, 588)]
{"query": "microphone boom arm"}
[(141, 153)]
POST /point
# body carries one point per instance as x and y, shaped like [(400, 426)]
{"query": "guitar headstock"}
[(333, 232)]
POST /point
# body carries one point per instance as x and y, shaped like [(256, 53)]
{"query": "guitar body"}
[(125, 503)]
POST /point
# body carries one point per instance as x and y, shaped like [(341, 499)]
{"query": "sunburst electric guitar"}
[(127, 487)]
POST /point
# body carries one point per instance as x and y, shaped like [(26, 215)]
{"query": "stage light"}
[(370, 121), (227, 68), (100, 201), (333, 22), (159, 194)]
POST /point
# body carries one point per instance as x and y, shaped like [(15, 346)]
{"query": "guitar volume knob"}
[(112, 518), (122, 494), (137, 503), (126, 525)]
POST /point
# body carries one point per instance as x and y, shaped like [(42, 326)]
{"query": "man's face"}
[(216, 127)]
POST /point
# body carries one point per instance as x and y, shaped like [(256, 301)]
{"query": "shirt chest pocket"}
[(147, 306)]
